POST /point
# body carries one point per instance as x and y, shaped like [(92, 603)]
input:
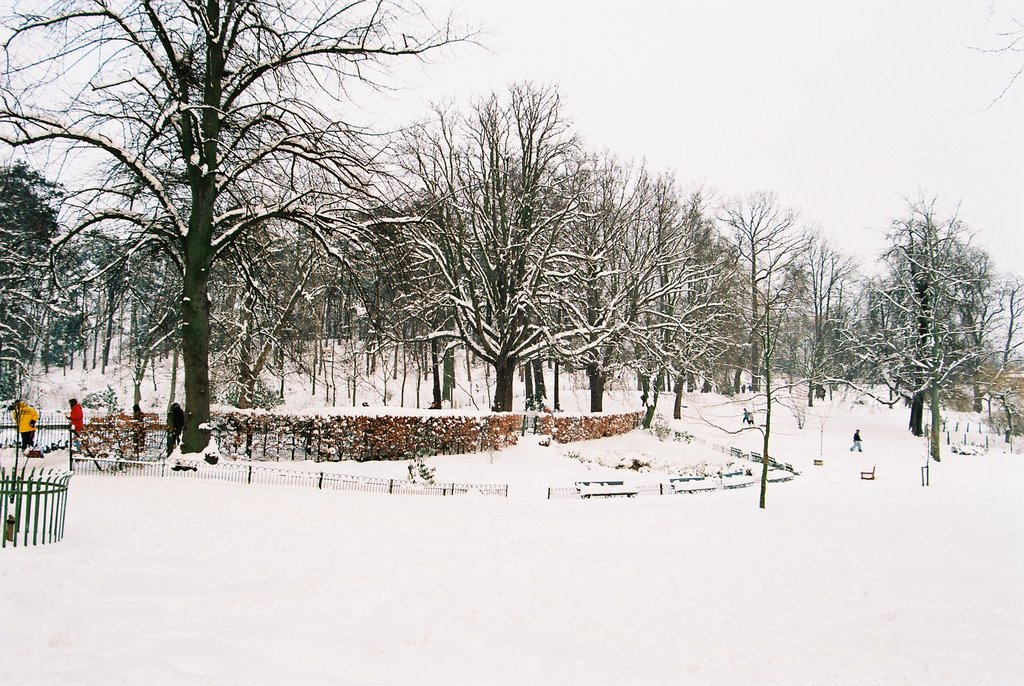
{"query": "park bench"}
[(737, 454), (691, 484), (737, 479), (604, 489), (868, 476), (779, 475)]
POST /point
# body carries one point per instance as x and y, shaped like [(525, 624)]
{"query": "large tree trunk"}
[(174, 379), (557, 401), (527, 375), (767, 433), (652, 403), (195, 350), (504, 377), (448, 382), (435, 372), (677, 409), (936, 428), (538, 379), (595, 375), (917, 414), (246, 378)]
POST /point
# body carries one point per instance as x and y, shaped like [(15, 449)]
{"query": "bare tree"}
[(678, 293), (501, 183), (771, 251), (829, 282), (923, 345), (196, 111), (762, 233)]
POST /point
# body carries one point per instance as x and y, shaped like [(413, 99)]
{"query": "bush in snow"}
[(262, 397), (105, 400), (638, 465), (418, 469)]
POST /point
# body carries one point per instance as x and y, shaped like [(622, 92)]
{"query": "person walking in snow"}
[(25, 416), (176, 422), (77, 418), (746, 416), (856, 442)]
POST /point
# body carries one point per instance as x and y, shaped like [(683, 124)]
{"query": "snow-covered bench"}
[(737, 479), (868, 476), (691, 484), (588, 489)]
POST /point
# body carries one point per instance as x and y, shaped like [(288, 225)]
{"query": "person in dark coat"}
[(176, 422), (856, 442)]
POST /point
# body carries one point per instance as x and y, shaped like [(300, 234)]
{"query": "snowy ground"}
[(838, 581)]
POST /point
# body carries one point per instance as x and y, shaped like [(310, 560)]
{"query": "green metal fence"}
[(32, 506)]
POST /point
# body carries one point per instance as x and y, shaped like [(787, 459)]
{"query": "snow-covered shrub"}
[(568, 428), (105, 400), (682, 436), (535, 403), (660, 428), (262, 397), (418, 469)]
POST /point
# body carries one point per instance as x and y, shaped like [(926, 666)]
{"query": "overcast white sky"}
[(843, 108)]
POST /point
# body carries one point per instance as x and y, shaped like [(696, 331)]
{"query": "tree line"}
[(232, 220)]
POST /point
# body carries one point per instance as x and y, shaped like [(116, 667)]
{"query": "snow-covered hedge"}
[(273, 436), (361, 437), (124, 436), (568, 428)]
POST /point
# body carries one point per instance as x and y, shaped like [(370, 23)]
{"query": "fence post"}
[(391, 486), (661, 489), (320, 484), (549, 492), (249, 481)]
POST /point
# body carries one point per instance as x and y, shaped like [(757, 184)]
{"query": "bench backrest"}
[(686, 478), (598, 483), (740, 473)]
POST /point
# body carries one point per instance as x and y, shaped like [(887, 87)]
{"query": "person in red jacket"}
[(77, 419)]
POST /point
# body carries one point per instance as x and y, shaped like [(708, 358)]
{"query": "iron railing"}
[(32, 506), (268, 476)]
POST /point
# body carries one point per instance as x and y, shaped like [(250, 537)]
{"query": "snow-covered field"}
[(838, 581)]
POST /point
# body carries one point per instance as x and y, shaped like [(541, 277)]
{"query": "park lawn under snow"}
[(838, 581)]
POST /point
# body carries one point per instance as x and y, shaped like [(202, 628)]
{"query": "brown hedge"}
[(355, 437)]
